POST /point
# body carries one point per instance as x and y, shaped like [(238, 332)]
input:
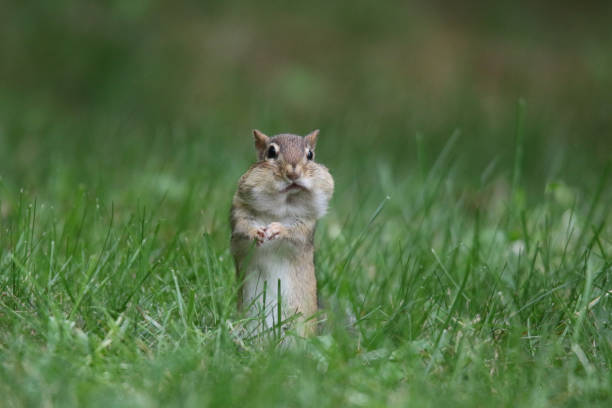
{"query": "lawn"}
[(466, 259)]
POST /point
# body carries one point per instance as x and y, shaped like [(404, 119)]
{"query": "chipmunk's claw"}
[(275, 230), (260, 236)]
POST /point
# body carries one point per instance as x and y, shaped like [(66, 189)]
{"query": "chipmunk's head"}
[(287, 173), (290, 158)]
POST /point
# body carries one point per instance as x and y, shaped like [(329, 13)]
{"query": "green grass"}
[(119, 290), (467, 256)]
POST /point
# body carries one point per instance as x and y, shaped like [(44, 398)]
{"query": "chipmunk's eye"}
[(272, 153), (310, 155)]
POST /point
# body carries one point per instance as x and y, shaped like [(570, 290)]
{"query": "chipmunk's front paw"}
[(260, 236), (275, 230)]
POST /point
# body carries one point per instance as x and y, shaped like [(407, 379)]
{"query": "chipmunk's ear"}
[(311, 138), (261, 142)]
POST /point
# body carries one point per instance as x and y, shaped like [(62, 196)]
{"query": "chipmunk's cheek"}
[(306, 182), (279, 185)]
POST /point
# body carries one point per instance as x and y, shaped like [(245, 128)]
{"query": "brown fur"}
[(265, 213)]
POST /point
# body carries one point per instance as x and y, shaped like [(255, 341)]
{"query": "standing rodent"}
[(273, 218)]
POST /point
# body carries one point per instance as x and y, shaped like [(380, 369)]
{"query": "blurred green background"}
[(101, 90), (125, 125)]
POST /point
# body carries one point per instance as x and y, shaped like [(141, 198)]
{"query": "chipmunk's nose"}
[(293, 176), (292, 173)]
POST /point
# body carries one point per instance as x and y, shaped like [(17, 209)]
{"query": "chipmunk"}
[(273, 218)]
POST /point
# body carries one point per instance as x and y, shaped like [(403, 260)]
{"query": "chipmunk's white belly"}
[(269, 264)]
